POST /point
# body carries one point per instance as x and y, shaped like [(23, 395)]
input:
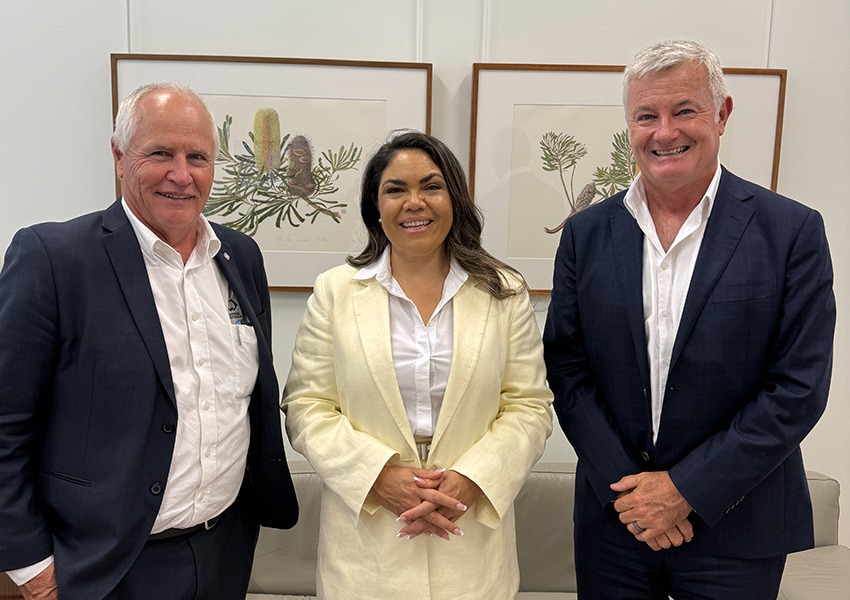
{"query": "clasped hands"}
[(652, 501), (426, 501)]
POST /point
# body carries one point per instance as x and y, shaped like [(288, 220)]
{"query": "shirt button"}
[(665, 266), (156, 489), (206, 405), (201, 362), (665, 313), (207, 452), (667, 362), (168, 427), (194, 316)]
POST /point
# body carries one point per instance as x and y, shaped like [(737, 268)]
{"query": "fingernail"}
[(443, 470), (401, 520), (411, 536), (417, 478), (461, 506), (457, 531), (401, 535)]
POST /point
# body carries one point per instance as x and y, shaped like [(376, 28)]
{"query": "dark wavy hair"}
[(463, 242)]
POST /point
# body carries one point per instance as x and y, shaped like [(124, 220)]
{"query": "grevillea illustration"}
[(277, 179), (561, 153)]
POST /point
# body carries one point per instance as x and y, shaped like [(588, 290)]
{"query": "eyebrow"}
[(425, 179)]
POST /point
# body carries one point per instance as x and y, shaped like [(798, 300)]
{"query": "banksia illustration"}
[(561, 152), (267, 139), (300, 171), (276, 179)]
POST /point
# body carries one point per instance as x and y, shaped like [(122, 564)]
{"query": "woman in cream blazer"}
[(346, 414)]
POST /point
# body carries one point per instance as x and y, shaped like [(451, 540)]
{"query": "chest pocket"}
[(743, 291), (246, 358)]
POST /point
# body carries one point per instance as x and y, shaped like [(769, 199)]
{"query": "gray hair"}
[(675, 53), (126, 119)]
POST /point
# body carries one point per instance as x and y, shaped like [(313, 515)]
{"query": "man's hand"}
[(422, 520), (42, 586), (653, 509)]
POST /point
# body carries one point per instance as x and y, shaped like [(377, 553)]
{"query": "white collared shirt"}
[(214, 363), (666, 280), (422, 352)]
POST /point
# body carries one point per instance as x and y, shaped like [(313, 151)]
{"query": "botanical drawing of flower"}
[(277, 178), (561, 153)]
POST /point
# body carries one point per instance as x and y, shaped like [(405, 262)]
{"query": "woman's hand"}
[(397, 490), (430, 518)]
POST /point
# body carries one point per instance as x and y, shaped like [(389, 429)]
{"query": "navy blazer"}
[(87, 408), (748, 378)]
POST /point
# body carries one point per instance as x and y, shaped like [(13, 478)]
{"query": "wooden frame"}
[(510, 106), (329, 104)]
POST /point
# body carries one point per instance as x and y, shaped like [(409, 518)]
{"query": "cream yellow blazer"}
[(345, 414)]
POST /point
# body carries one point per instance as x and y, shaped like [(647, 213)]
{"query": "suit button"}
[(168, 427), (156, 489), (645, 456)]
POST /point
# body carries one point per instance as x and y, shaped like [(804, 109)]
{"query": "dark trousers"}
[(607, 571), (204, 565)]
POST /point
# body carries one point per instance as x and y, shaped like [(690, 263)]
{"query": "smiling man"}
[(136, 382), (689, 347)]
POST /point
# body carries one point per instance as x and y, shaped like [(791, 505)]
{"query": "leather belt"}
[(173, 533)]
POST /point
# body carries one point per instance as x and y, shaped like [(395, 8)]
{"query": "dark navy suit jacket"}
[(87, 409), (748, 378)]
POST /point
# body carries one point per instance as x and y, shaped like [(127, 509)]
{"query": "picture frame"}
[(334, 112), (576, 113)]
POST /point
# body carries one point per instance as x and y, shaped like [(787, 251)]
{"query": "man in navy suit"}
[(689, 347), (140, 441)]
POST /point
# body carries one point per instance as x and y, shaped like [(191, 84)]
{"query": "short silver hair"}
[(675, 53), (127, 117)]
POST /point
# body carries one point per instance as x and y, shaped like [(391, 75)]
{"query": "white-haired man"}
[(140, 442), (689, 347)]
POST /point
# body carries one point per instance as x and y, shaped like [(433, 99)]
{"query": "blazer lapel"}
[(124, 252), (627, 240), (372, 319), (726, 224), (471, 307)]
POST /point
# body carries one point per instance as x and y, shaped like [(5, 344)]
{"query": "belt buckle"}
[(210, 523), (423, 449)]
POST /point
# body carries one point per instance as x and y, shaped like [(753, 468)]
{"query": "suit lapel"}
[(627, 240), (726, 224), (372, 318), (471, 307), (124, 253)]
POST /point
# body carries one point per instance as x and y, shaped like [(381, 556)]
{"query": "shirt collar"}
[(635, 199), (207, 243), (381, 271)]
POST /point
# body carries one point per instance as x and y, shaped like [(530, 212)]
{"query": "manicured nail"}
[(401, 520), (443, 470), (411, 536), (457, 531), (416, 478), (401, 535), (461, 506)]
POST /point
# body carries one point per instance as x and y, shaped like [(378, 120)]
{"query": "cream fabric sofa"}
[(285, 561)]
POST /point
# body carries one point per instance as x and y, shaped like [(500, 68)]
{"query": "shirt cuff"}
[(21, 576)]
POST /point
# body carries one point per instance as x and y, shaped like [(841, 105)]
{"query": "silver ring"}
[(637, 528)]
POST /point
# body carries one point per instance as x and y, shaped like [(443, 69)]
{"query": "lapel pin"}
[(226, 256)]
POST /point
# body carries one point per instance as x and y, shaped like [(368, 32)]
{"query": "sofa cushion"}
[(817, 574)]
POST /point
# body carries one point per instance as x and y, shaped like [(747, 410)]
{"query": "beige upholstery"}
[(285, 561)]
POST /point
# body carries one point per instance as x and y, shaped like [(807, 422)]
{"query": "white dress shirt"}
[(666, 279), (214, 363), (422, 352)]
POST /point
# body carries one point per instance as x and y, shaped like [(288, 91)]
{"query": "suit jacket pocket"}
[(745, 290), (64, 476)]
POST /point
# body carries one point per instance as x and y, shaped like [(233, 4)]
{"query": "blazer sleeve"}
[(28, 349), (500, 461), (596, 440), (729, 464), (347, 460)]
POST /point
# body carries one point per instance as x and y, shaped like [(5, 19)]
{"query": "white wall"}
[(55, 102)]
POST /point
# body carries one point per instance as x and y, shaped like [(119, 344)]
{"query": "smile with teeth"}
[(175, 196), (415, 224), (678, 150)]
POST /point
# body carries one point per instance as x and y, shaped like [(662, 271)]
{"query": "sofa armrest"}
[(824, 491)]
